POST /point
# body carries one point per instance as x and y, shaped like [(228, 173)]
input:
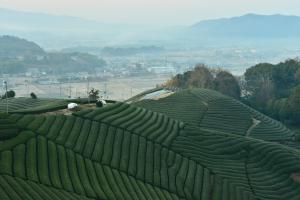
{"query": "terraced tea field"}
[(211, 110), (28, 105), (172, 148)]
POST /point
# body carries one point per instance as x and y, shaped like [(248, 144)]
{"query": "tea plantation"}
[(28, 105), (194, 144), (211, 110)]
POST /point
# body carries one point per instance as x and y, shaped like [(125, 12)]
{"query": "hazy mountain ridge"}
[(58, 32), (39, 21), (250, 26), (116, 51)]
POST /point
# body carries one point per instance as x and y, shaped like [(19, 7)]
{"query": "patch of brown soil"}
[(296, 177)]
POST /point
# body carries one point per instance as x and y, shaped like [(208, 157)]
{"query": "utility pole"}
[(60, 90), (88, 86), (105, 91), (70, 91), (87, 89), (5, 85), (70, 88)]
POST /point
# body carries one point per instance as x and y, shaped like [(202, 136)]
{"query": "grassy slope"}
[(127, 152)]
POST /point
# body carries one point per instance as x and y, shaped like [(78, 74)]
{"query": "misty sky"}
[(162, 12)]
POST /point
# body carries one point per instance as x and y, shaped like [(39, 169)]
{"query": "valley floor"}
[(117, 88)]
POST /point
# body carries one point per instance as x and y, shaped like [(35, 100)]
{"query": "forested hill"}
[(273, 89), (15, 47), (18, 55)]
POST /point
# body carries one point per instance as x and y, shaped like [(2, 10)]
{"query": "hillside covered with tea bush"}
[(191, 144)]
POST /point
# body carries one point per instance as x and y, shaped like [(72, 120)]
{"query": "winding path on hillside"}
[(255, 123)]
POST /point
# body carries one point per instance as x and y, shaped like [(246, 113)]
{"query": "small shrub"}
[(9, 94), (33, 95)]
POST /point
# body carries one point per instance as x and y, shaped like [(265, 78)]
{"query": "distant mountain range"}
[(250, 26), (55, 31), (12, 19)]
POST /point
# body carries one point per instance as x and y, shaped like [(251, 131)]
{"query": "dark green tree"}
[(256, 77), (9, 94), (284, 77), (260, 86), (294, 105), (33, 95), (227, 84)]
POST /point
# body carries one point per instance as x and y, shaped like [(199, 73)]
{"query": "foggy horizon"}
[(153, 13)]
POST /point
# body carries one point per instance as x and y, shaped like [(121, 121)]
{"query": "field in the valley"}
[(116, 88)]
